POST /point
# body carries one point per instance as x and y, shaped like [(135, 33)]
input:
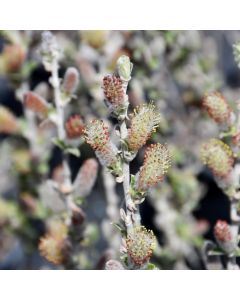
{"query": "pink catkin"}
[(86, 177), (113, 90), (74, 127), (8, 122), (36, 103), (70, 81), (217, 107), (222, 231), (98, 137)]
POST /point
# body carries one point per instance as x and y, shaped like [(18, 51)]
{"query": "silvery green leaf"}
[(124, 67), (60, 143), (73, 151), (211, 256), (118, 226), (237, 252), (236, 53), (123, 214), (151, 266)]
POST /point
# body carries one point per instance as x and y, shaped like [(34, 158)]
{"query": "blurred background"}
[(173, 68)]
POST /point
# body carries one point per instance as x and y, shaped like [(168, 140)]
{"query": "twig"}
[(55, 81), (112, 208), (132, 212)]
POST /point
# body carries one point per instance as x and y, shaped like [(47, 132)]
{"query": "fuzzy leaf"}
[(60, 143), (151, 266), (237, 252), (120, 228), (73, 151), (216, 251)]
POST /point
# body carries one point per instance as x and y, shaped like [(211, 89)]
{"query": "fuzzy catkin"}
[(155, 165), (140, 244), (217, 107), (144, 122), (218, 156)]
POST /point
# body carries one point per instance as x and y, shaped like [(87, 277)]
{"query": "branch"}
[(66, 196)]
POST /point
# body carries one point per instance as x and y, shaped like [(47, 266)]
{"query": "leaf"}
[(237, 252), (216, 252), (60, 143), (133, 180), (231, 132), (120, 228), (28, 68), (79, 200), (124, 259), (42, 168), (66, 148), (151, 266), (73, 151), (124, 67)]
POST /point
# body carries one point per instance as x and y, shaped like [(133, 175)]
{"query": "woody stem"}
[(68, 199), (133, 215)]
